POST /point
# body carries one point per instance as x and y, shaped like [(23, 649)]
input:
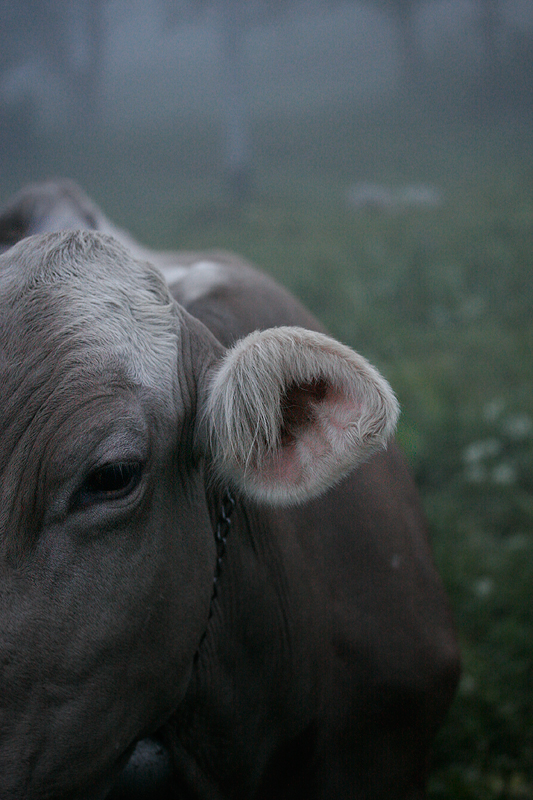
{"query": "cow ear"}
[(292, 411)]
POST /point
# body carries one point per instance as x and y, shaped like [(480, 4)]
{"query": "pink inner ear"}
[(309, 412), (281, 467), (297, 407)]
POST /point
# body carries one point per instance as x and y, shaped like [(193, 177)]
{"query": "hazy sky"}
[(350, 51)]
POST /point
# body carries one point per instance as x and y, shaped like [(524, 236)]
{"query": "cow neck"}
[(222, 530)]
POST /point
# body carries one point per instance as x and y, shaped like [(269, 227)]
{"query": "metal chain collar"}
[(221, 534)]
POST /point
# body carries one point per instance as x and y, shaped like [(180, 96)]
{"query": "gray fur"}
[(327, 659)]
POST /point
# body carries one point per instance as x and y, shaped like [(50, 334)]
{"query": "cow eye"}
[(110, 482)]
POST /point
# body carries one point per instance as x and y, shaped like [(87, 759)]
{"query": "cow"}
[(216, 581)]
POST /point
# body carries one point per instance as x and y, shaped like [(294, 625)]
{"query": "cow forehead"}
[(81, 294)]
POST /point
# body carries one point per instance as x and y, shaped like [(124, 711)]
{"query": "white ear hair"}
[(292, 411)]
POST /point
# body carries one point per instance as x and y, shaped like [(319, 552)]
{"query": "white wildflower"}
[(504, 473), (493, 409), (483, 587), (481, 450), (518, 427)]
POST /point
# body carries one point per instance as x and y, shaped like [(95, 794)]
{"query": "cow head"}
[(54, 205), (117, 408)]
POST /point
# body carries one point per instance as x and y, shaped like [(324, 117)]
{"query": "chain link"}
[(221, 534)]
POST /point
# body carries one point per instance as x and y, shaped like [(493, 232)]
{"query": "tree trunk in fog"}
[(237, 140), (410, 58), (489, 18), (86, 75)]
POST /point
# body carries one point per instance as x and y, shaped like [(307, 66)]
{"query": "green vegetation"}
[(441, 300)]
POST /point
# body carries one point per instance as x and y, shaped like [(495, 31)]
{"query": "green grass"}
[(441, 300)]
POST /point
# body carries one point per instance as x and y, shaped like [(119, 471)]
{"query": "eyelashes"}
[(110, 482)]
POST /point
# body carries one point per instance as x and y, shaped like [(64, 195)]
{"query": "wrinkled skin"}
[(321, 670), (80, 572)]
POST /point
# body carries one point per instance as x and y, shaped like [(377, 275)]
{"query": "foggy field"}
[(375, 156), (440, 298)]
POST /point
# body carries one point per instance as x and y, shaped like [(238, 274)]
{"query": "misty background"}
[(212, 87), (374, 156)]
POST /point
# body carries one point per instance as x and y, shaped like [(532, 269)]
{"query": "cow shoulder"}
[(219, 288), (231, 297)]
